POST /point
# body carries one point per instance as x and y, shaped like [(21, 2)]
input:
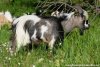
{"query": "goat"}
[(35, 29), (5, 18)]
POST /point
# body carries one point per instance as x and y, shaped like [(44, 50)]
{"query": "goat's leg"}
[(13, 44), (81, 31), (51, 44), (61, 38)]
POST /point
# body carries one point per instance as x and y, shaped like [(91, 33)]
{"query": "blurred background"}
[(17, 7)]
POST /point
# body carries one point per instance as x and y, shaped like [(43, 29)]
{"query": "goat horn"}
[(81, 11), (78, 9)]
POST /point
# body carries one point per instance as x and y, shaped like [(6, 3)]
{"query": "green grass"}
[(76, 49)]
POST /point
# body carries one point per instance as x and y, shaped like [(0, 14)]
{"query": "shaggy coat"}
[(30, 29)]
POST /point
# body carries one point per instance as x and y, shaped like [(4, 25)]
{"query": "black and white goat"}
[(30, 29), (75, 21)]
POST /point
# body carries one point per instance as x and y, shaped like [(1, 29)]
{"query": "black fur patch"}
[(87, 22), (29, 26)]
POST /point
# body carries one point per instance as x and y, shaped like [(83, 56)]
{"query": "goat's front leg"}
[(81, 31), (51, 44)]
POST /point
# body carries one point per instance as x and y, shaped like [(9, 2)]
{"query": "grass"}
[(76, 50)]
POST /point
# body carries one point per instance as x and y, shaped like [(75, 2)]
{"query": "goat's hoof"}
[(12, 53), (50, 54)]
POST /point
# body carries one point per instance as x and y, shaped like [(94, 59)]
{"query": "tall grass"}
[(75, 50)]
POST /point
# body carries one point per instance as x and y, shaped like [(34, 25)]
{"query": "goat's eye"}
[(83, 21), (86, 22)]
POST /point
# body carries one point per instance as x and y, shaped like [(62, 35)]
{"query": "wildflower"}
[(33, 66), (19, 63), (40, 60)]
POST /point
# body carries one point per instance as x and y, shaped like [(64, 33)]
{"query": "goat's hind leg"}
[(12, 48)]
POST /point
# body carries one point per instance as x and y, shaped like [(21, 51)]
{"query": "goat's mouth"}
[(86, 26)]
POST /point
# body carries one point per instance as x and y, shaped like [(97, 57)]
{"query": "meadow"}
[(76, 50)]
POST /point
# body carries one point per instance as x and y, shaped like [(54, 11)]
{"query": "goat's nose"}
[(88, 26)]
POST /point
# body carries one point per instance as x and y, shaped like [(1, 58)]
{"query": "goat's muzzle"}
[(86, 24)]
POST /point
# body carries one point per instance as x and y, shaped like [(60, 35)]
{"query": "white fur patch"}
[(51, 43), (43, 30), (15, 21), (8, 16), (34, 35), (70, 14), (24, 18), (22, 37), (86, 25)]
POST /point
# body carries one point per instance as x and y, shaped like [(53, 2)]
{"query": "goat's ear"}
[(85, 13), (78, 9)]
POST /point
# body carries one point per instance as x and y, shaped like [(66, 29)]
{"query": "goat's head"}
[(77, 19), (84, 15), (83, 24)]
